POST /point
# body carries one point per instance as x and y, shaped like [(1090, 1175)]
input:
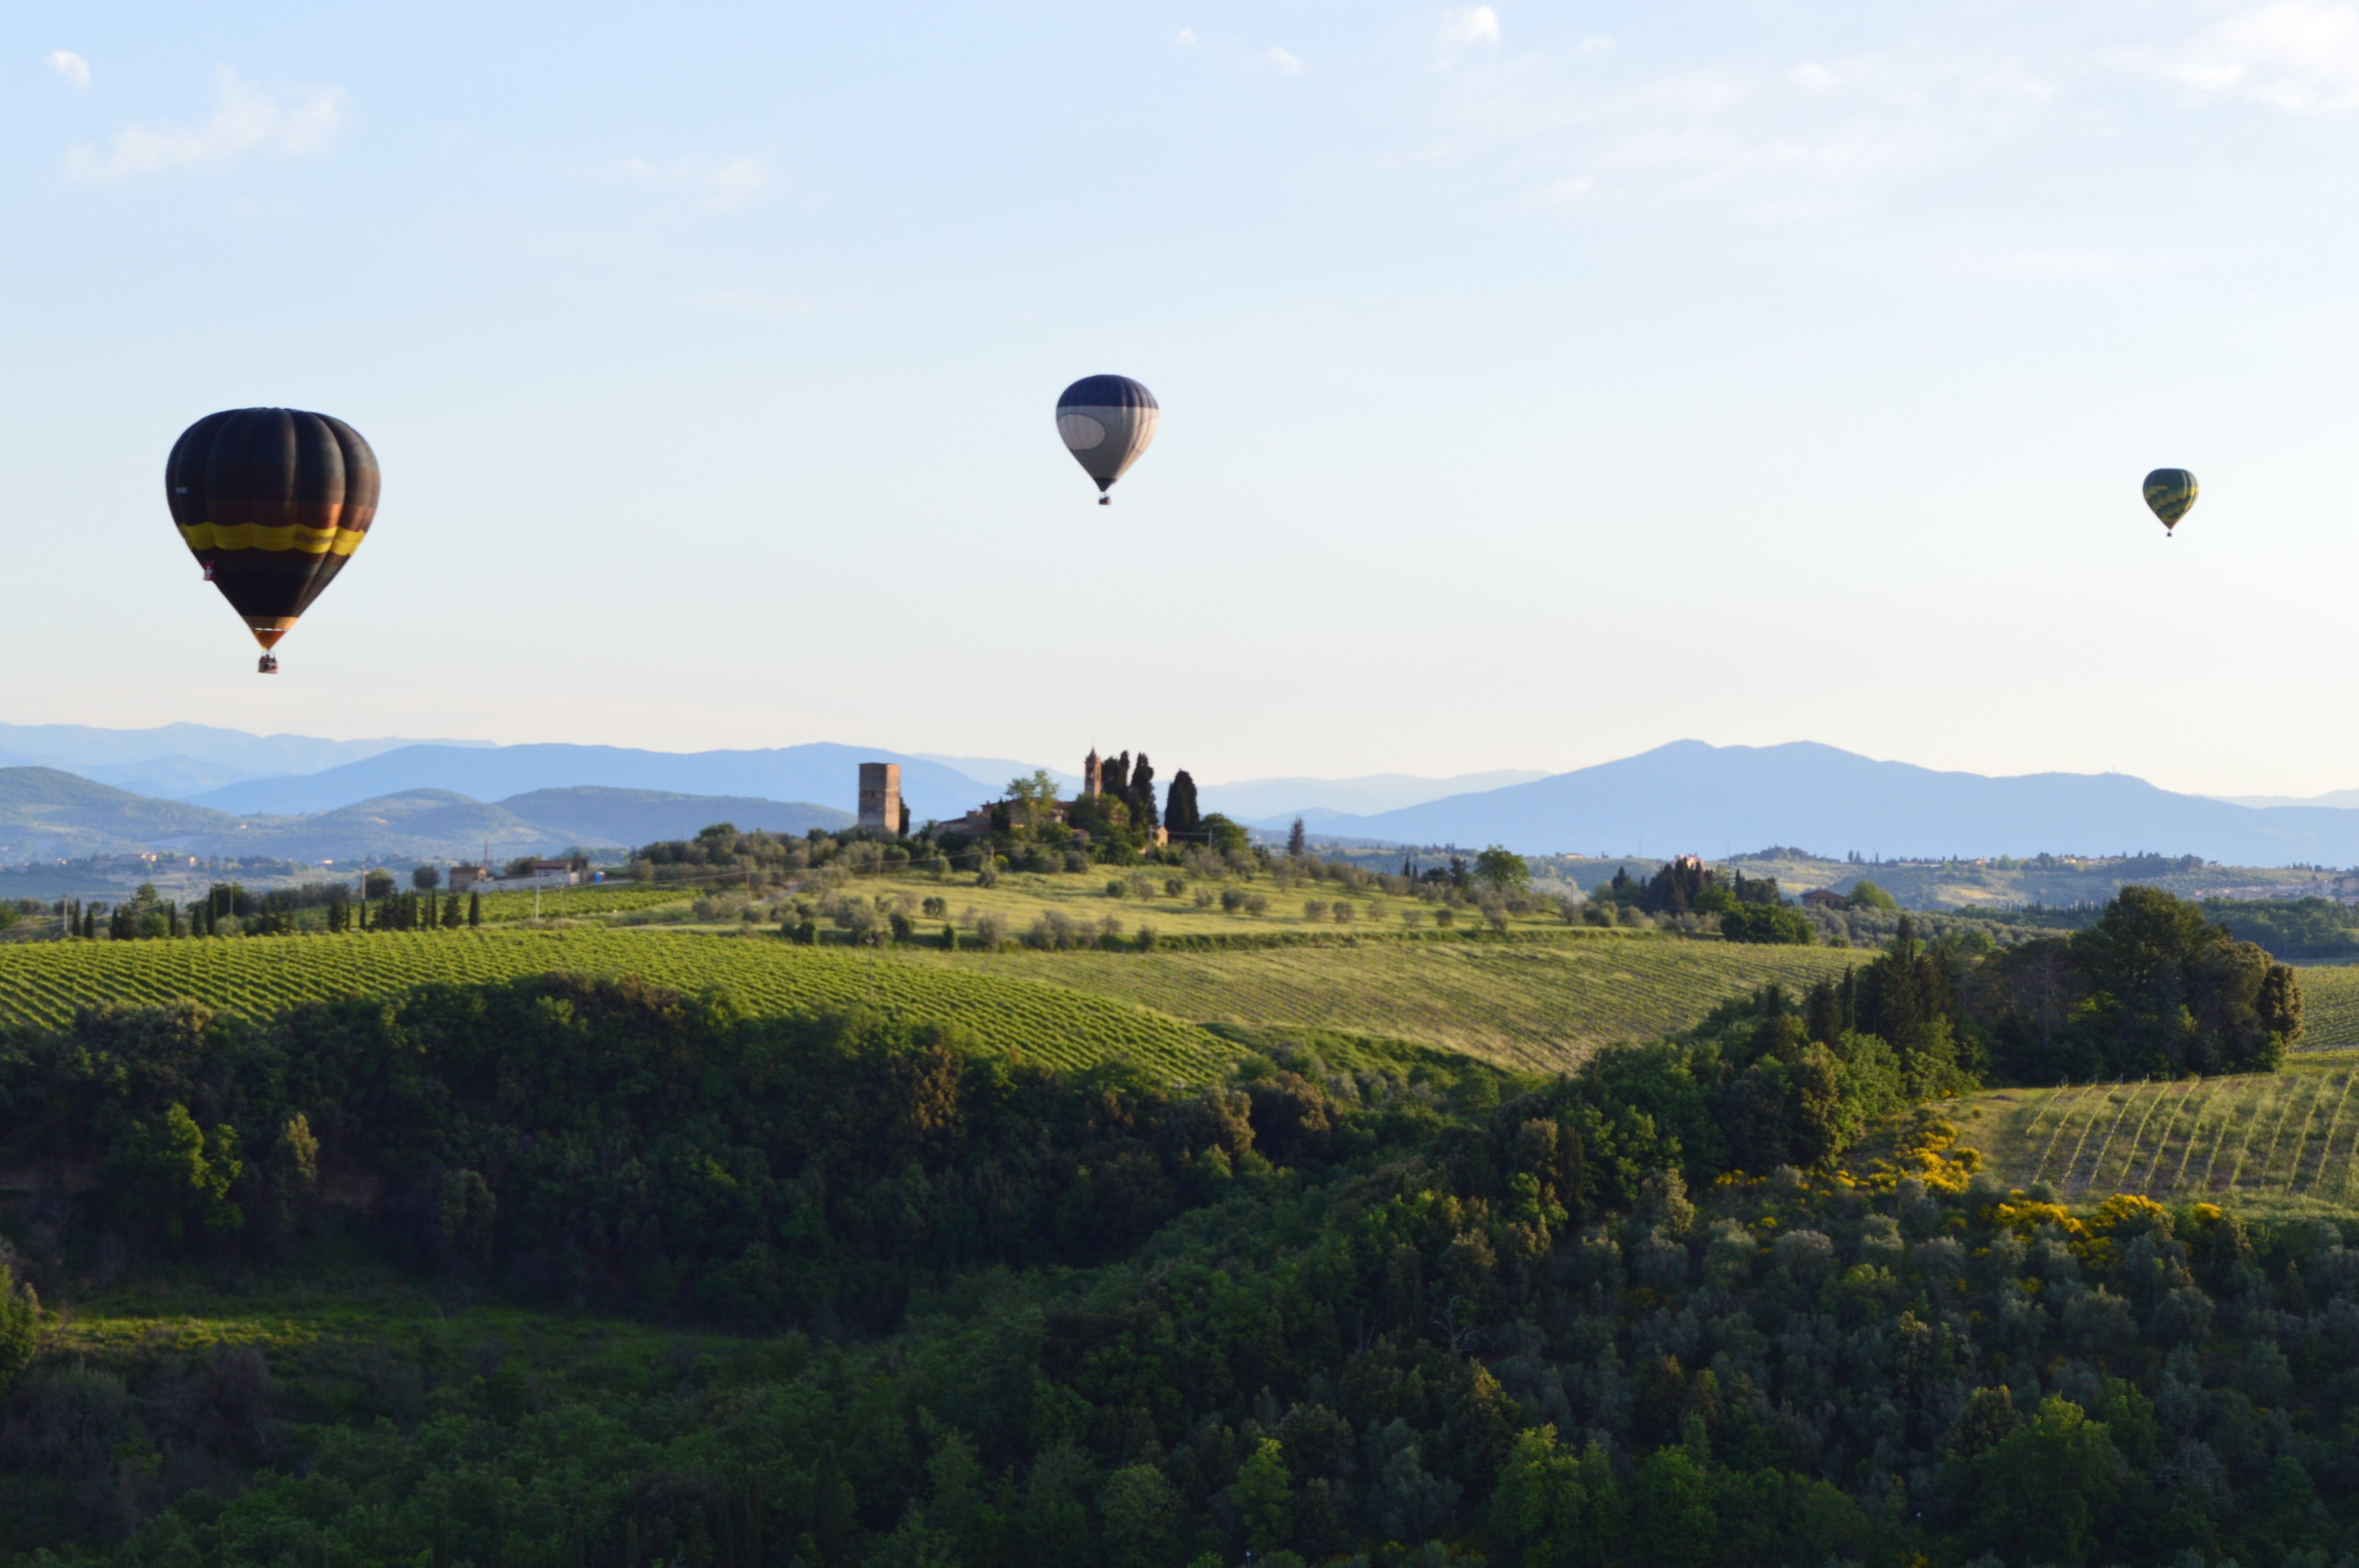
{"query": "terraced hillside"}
[(1529, 1005), (44, 983)]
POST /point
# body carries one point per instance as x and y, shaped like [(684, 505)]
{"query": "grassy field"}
[(1019, 898), (575, 903), (258, 975), (355, 1341), (1523, 1004), (2288, 1137)]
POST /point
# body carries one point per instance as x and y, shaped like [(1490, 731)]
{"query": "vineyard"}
[(2288, 1135), (2329, 1005), (45, 984), (1528, 1005)]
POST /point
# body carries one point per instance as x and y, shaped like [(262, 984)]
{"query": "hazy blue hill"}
[(821, 773), (1712, 800), (1282, 800), (411, 826), (48, 814), (197, 757), (599, 816)]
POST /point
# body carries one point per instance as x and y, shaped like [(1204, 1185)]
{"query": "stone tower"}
[(880, 797), (1090, 770)]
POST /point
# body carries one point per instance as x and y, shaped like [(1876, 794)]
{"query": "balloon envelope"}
[(1107, 421), (273, 501), (2170, 491)]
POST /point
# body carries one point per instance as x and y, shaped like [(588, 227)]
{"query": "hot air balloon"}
[(272, 502), (2171, 492), (1107, 421)]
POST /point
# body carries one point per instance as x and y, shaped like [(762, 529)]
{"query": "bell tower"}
[(1091, 769)]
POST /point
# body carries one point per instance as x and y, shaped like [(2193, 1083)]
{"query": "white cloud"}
[(718, 187), (2299, 55), (1470, 24), (247, 118), (1284, 62), (1187, 38), (71, 67), (1817, 79)]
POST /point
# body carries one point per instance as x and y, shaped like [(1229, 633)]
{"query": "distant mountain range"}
[(47, 815), (187, 785), (1277, 801), (1691, 797), (820, 773), (177, 761)]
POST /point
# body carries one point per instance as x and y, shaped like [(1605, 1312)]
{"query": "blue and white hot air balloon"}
[(1107, 421)]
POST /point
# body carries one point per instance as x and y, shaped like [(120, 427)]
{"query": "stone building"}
[(880, 797)]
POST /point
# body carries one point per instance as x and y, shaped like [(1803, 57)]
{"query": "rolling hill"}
[(46, 814), (821, 773), (1712, 800)]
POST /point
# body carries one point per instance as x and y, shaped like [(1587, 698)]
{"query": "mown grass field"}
[(2291, 1137), (1019, 898), (259, 975), (1533, 1005), (348, 1342)]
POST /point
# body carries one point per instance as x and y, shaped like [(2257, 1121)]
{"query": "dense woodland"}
[(1728, 1299)]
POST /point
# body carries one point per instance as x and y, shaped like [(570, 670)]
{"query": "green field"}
[(2285, 1136), (259, 975), (575, 903), (1526, 1004), (1529, 1005)]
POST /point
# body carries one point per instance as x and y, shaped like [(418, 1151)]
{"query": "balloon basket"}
[(267, 664), (1105, 501)]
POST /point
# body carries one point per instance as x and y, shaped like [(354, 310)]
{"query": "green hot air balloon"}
[(272, 502), (2171, 492)]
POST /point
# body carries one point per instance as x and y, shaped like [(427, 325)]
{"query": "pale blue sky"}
[(1540, 383)]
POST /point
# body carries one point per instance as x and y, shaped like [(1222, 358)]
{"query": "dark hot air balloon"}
[(2171, 492), (272, 502), (1107, 421)]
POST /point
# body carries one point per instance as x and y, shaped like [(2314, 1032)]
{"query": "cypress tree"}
[(1114, 778), (1297, 842), (1141, 797), (475, 909), (1181, 816)]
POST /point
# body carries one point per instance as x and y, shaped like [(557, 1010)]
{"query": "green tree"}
[(1865, 895), (2038, 1495), (1298, 841), (1181, 817), (177, 1178), (1502, 870), (1557, 1509), (475, 909), (1225, 836), (1033, 795), (1264, 1496), (1141, 795), (1769, 923), (1145, 1517), (425, 878), (1673, 1522), (19, 1327)]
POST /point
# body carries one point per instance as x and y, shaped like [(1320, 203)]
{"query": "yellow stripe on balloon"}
[(266, 536)]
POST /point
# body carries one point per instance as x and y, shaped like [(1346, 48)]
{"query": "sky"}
[(1540, 382)]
